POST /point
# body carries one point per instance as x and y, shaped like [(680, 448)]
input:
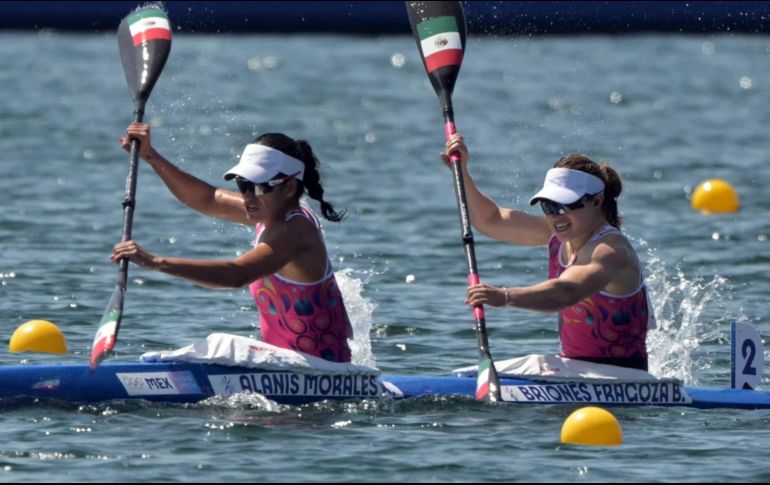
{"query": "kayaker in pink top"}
[(595, 279), (288, 268), (308, 317)]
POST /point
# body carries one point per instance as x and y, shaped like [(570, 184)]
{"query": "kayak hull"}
[(194, 382)]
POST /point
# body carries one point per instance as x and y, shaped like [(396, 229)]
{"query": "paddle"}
[(144, 40), (439, 29)]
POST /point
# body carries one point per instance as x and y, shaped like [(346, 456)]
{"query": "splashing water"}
[(241, 401), (360, 311), (156, 5), (682, 307)]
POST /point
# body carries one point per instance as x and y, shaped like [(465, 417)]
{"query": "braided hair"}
[(311, 183)]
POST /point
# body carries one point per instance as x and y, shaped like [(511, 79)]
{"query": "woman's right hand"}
[(134, 253), (140, 132), (455, 144)]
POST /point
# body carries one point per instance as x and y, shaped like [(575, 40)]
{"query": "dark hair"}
[(311, 185), (612, 184)]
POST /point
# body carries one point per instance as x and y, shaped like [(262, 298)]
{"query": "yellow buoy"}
[(38, 336), (591, 426), (715, 196)]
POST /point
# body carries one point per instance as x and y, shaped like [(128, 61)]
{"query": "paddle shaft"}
[(470, 255), (462, 209), (129, 201)]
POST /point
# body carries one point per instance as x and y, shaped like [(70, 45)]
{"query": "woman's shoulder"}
[(614, 247), (292, 225), (293, 232)]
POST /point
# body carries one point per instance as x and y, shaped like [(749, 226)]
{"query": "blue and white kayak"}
[(194, 382), (197, 372)]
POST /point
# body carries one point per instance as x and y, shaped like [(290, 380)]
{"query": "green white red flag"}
[(441, 42), (149, 25)]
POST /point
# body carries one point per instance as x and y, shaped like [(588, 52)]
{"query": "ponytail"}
[(311, 182), (612, 183), (612, 188)]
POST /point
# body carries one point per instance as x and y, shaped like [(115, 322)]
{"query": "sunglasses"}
[(551, 208), (246, 186)]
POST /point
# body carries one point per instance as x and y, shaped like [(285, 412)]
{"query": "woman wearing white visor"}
[(288, 270), (595, 280)]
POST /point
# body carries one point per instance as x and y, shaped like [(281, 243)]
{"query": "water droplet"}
[(397, 60), (746, 82)]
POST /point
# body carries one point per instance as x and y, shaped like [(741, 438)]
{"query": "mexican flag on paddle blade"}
[(104, 340), (440, 41), (149, 25)]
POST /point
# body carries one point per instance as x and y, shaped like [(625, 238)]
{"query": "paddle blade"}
[(107, 333), (439, 29), (144, 40)]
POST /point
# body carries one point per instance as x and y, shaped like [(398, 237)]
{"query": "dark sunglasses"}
[(551, 208), (246, 186)]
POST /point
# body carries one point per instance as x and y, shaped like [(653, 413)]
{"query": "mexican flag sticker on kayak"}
[(441, 43), (149, 25)]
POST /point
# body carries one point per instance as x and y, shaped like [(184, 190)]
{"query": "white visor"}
[(260, 163), (565, 186)]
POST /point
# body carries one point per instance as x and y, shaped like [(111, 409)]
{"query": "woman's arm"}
[(274, 252), (492, 220), (576, 283), (190, 190)]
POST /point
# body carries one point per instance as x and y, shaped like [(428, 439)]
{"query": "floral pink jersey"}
[(307, 317), (602, 326)]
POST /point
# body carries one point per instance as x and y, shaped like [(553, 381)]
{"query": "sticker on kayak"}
[(290, 384), (662, 392), (158, 383)]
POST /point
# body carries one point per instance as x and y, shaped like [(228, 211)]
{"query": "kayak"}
[(226, 365), (194, 382)]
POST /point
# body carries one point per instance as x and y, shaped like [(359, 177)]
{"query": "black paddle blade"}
[(144, 39), (439, 29), (107, 333)]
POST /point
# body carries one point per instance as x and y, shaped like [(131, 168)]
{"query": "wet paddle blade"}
[(144, 39), (440, 32), (107, 333)]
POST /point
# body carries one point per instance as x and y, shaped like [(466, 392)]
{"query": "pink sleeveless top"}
[(307, 317), (602, 326)]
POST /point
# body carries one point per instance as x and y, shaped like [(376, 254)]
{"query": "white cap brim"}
[(260, 163), (565, 186)]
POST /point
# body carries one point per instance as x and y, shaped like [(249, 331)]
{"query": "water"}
[(667, 111)]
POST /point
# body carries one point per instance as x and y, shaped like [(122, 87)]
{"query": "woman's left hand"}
[(485, 295), (455, 144), (134, 253)]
